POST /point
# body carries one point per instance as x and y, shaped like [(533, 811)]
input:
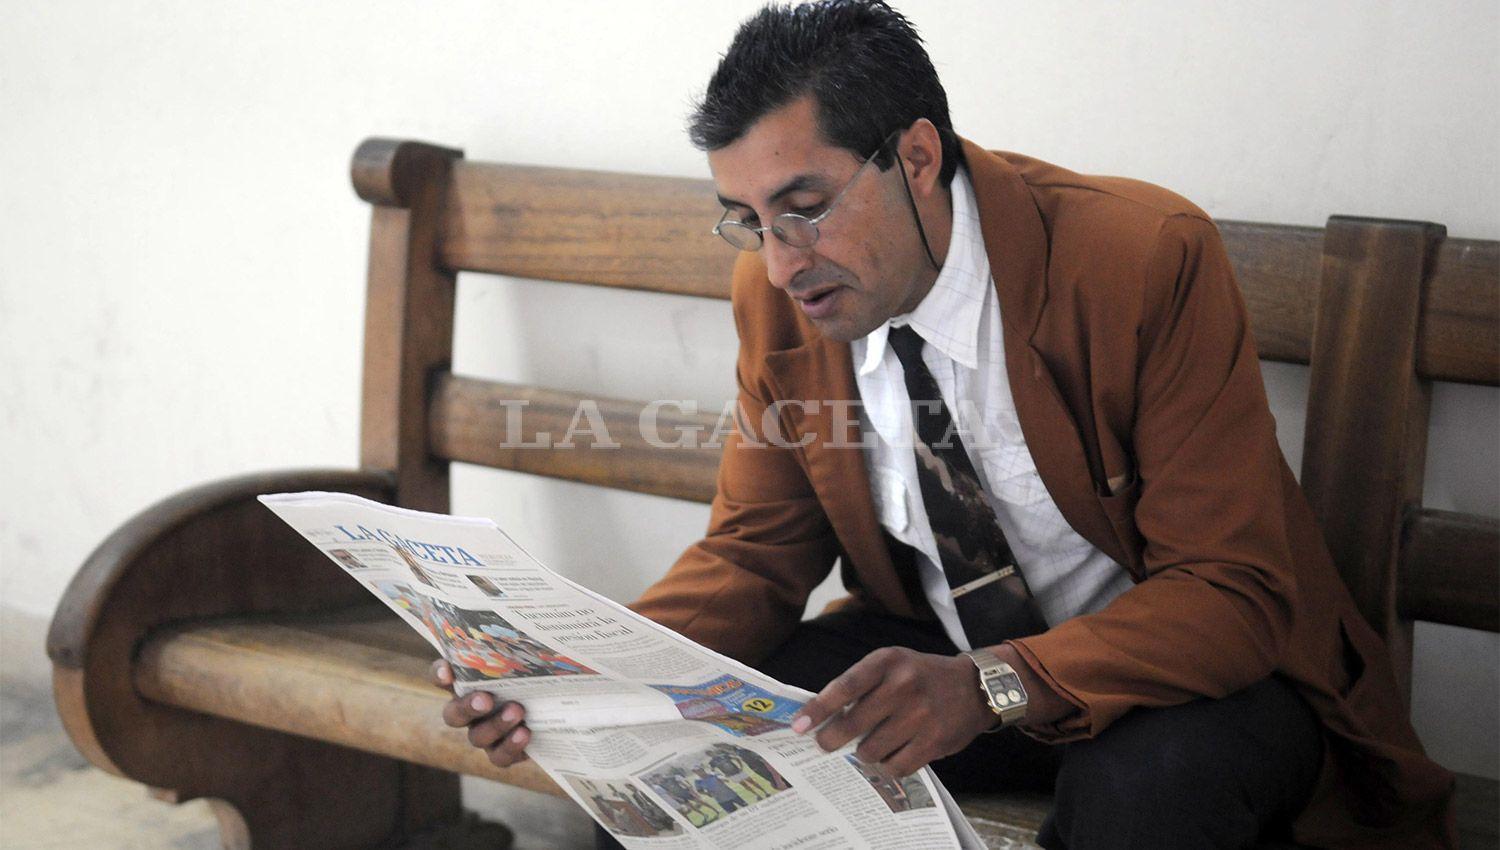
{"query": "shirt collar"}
[(948, 316)]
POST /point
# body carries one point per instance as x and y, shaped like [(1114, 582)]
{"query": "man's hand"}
[(499, 730), (910, 707)]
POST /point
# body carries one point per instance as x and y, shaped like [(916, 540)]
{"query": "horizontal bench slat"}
[(470, 420), (1277, 267), (1450, 569), (601, 228), (358, 680), (652, 233), (1460, 335)]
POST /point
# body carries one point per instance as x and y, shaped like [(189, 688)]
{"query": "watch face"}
[(1005, 689)]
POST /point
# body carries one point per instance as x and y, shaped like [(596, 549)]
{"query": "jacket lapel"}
[(1017, 243)]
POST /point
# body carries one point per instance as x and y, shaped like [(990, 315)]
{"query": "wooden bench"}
[(206, 651)]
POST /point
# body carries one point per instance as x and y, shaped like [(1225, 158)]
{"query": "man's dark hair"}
[(862, 61)]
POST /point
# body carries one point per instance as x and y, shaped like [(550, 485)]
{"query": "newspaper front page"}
[(664, 742)]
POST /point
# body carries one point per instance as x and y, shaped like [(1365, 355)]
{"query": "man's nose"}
[(784, 262)]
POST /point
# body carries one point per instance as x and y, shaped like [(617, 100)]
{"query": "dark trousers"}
[(1209, 773), (1228, 773)]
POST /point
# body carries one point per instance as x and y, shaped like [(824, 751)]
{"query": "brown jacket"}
[(1138, 390)]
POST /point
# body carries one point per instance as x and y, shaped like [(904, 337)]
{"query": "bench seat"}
[(358, 678)]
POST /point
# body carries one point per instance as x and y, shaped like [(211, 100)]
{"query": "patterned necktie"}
[(993, 602)]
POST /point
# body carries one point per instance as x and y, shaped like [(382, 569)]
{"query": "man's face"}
[(868, 263)]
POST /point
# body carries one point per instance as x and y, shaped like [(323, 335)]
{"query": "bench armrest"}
[(209, 551)]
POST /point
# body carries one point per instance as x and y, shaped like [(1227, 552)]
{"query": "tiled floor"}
[(50, 797)]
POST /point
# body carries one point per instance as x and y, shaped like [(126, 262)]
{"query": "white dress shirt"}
[(960, 321)]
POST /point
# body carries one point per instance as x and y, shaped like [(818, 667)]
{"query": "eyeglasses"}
[(794, 229)]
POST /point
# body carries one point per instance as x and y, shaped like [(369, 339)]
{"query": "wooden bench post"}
[(1366, 440), (408, 313)]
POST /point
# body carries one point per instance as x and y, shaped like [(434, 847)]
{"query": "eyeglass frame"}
[(759, 232)]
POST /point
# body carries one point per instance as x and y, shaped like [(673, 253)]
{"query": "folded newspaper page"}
[(664, 742)]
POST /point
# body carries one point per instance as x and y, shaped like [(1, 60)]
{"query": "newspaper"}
[(666, 743)]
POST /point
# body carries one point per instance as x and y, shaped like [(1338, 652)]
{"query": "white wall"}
[(181, 258)]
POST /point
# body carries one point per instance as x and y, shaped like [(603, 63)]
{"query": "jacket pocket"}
[(1350, 680), (1119, 504)]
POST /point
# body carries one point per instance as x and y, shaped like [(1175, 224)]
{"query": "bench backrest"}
[(1379, 310)]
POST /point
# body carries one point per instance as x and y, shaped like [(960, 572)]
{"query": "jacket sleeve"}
[(741, 590), (1215, 611)]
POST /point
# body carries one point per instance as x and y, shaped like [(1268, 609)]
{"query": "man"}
[(1059, 502), (714, 786)]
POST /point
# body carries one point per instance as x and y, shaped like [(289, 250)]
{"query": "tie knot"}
[(908, 346)]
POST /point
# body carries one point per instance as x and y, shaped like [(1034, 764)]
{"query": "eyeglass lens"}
[(795, 230)]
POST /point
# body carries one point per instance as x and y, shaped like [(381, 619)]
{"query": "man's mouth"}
[(819, 304)]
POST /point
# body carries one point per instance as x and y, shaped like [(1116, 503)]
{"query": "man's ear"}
[(921, 151)]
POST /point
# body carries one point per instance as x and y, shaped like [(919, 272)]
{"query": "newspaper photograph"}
[(663, 742)]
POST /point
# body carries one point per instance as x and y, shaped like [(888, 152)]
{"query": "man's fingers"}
[(853, 684), (511, 749), (469, 708), (904, 762), (857, 721), (496, 729), (885, 739), (486, 731), (441, 674), (461, 711), (489, 731)]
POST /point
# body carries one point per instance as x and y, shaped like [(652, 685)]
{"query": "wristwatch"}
[(1001, 686)]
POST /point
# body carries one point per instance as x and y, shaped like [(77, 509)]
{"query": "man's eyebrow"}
[(796, 184)]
